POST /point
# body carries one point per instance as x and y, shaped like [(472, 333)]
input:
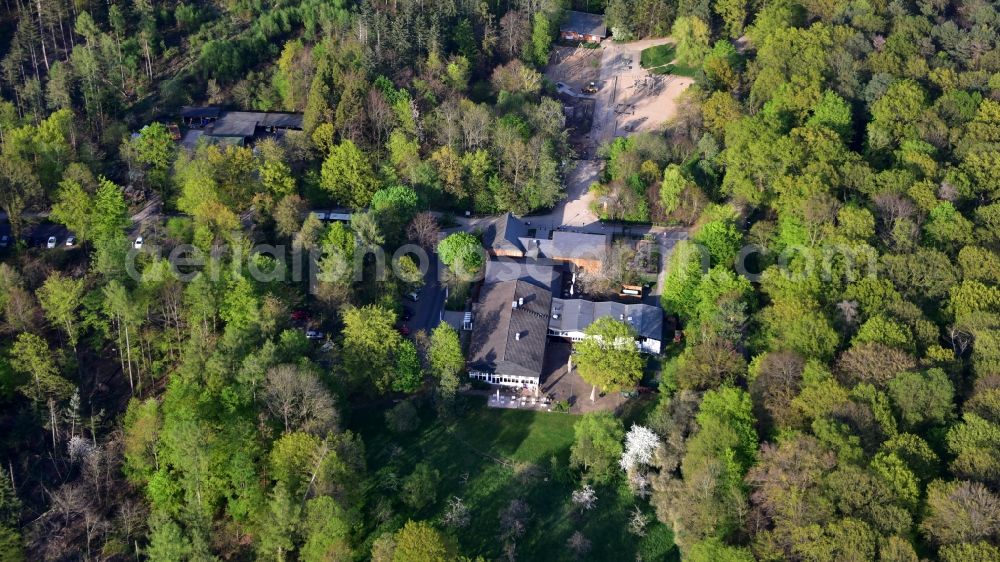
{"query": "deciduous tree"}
[(607, 356)]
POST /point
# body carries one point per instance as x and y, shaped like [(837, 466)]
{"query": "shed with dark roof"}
[(581, 26), (208, 112), (239, 127)]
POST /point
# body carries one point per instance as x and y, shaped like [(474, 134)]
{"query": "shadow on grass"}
[(489, 457)]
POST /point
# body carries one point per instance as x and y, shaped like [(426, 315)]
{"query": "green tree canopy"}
[(607, 356), (463, 253), (348, 176), (597, 445)]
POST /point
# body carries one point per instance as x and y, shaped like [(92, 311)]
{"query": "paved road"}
[(427, 311), (38, 233), (574, 210)]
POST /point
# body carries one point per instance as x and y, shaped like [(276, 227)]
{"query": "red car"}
[(300, 316), (404, 330)]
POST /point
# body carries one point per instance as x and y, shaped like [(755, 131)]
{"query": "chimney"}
[(621, 316), (513, 304), (520, 301), (517, 336)]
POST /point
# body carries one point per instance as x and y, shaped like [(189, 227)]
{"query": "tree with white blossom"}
[(457, 515), (637, 523), (638, 481), (640, 443), (585, 498)]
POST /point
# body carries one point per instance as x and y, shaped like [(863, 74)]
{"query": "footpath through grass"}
[(660, 60), (489, 457)]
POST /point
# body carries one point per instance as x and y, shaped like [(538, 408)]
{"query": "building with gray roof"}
[(584, 250), (570, 317), (581, 26), (511, 237), (238, 127), (542, 273), (509, 333)]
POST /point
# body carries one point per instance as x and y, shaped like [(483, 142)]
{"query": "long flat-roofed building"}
[(236, 127), (570, 317)]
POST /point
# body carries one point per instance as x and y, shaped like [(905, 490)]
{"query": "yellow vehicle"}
[(175, 131)]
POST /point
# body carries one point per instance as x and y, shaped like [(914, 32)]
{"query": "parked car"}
[(138, 243), (51, 243), (300, 316), (413, 296), (404, 330), (314, 335), (71, 241), (4, 241)]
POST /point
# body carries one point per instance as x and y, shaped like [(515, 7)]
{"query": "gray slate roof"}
[(584, 23), (495, 345), (245, 123), (574, 315), (542, 273), (568, 245), (504, 234), (207, 112)]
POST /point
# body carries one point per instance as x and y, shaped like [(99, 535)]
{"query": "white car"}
[(138, 243), (4, 241), (414, 296), (51, 243), (71, 241), (314, 335)]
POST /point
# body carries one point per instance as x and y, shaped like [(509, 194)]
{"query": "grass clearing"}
[(489, 457), (660, 60), (657, 56)]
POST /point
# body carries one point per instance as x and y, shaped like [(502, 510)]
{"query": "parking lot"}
[(37, 235)]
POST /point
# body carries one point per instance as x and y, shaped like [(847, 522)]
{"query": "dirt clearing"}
[(574, 66), (646, 102)]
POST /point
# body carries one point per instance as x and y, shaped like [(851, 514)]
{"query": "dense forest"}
[(836, 395)]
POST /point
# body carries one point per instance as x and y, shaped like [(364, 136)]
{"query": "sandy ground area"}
[(647, 106), (576, 67), (631, 99)]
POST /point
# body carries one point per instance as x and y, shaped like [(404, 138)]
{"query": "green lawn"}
[(473, 446), (660, 60)]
